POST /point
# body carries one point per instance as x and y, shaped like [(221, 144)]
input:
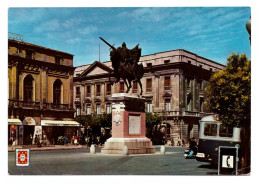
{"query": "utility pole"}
[(99, 52)]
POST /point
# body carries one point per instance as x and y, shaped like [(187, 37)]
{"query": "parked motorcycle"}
[(187, 152)]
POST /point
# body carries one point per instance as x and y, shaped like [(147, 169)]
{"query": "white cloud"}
[(87, 29), (73, 41), (146, 14), (52, 25)]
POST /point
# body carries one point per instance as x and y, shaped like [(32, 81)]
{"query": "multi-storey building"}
[(40, 97), (173, 83)]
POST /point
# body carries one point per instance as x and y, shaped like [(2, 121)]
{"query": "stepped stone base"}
[(134, 145)]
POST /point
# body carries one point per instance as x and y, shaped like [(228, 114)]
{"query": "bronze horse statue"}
[(125, 64)]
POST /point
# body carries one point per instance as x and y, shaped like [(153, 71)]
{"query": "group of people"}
[(37, 140)]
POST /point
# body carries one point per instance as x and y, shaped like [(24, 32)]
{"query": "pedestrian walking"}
[(65, 140)]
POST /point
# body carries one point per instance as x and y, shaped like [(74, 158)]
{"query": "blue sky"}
[(213, 32)]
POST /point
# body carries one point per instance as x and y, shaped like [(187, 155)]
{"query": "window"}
[(149, 64), (167, 83), (225, 131), (189, 62), (88, 90), (188, 82), (166, 61), (108, 89), (28, 88), (134, 87), (78, 111), (167, 104), (200, 66), (98, 109), (58, 60), (201, 104), (88, 109), (97, 90), (189, 102), (210, 130), (77, 92), (109, 108), (29, 54), (149, 107), (148, 85), (57, 92), (200, 85), (122, 87)]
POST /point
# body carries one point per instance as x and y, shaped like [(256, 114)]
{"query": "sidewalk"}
[(44, 148)]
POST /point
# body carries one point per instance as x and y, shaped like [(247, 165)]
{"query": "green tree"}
[(153, 128), (229, 93), (93, 124)]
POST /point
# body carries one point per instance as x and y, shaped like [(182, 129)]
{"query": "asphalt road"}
[(81, 162)]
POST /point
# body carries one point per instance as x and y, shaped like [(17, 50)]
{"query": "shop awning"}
[(59, 123), (14, 121)]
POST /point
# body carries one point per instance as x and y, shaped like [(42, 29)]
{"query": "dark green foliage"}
[(153, 128)]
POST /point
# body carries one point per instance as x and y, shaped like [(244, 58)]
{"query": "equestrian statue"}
[(125, 64)]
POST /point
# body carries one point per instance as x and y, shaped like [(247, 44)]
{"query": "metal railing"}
[(57, 106), (37, 105), (184, 113), (20, 103)]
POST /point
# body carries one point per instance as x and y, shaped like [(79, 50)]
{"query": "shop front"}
[(14, 134), (54, 131)]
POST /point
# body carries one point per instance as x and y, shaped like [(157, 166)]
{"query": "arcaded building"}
[(40, 97), (173, 86)]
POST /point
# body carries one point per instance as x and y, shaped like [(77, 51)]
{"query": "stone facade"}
[(173, 83), (40, 88)]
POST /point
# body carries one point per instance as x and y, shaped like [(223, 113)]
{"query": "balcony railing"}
[(36, 105), (148, 89), (167, 87), (201, 93), (57, 106), (24, 104), (184, 113)]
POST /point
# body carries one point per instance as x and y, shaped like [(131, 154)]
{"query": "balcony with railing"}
[(23, 104), (55, 106), (184, 113), (167, 87), (148, 90), (201, 93), (36, 105)]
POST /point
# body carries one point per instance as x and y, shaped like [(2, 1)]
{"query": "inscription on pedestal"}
[(134, 124)]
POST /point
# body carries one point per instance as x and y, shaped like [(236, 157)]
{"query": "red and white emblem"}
[(22, 157)]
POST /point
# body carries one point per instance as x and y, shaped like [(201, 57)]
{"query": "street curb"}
[(48, 149)]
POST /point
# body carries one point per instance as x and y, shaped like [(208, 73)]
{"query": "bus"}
[(213, 134)]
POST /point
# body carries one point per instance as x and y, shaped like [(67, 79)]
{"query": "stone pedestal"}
[(128, 126)]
